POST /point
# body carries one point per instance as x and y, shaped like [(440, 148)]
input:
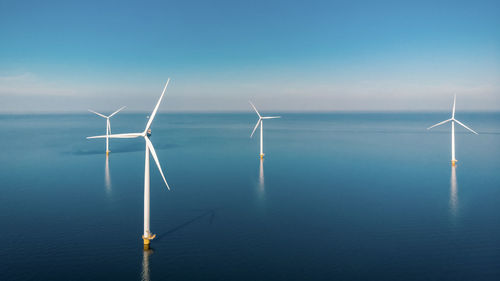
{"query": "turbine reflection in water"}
[(107, 177), (145, 265), (261, 188), (453, 192)]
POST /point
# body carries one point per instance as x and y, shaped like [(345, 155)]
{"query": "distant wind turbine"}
[(108, 125), (261, 118), (147, 235), (453, 120)]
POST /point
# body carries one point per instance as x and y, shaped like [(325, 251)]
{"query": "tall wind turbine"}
[(453, 120), (147, 235), (108, 125), (261, 122)]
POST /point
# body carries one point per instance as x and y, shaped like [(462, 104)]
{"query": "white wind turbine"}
[(108, 125), (261, 118), (453, 120), (147, 235)]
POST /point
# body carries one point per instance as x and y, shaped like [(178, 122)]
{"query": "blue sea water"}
[(345, 196)]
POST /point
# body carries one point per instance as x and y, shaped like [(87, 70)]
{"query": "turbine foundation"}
[(262, 156), (453, 162), (107, 152), (147, 240)]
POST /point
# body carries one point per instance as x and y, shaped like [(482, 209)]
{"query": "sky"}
[(67, 56)]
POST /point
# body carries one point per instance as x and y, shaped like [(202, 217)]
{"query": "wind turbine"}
[(147, 235), (453, 120), (108, 125), (261, 118)]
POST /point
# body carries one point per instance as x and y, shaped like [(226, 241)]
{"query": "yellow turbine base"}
[(453, 162), (262, 156), (147, 241), (107, 152)]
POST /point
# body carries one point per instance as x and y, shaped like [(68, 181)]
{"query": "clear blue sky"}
[(284, 55)]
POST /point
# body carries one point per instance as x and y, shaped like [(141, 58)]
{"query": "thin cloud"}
[(29, 84)]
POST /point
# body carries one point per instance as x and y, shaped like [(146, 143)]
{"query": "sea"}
[(338, 196)]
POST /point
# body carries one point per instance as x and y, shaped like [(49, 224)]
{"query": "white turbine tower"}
[(108, 125), (147, 235), (261, 122), (453, 120)]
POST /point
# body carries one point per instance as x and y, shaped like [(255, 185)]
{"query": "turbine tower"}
[(453, 120), (108, 125), (261, 122), (147, 235)]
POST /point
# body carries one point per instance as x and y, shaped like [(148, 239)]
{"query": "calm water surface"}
[(338, 197)]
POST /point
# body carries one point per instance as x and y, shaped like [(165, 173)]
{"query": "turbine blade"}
[(97, 137), (116, 111), (102, 115), (271, 117), (454, 102), (155, 157), (465, 126), (126, 136), (440, 123), (254, 108), (257, 125), (119, 136), (152, 116)]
